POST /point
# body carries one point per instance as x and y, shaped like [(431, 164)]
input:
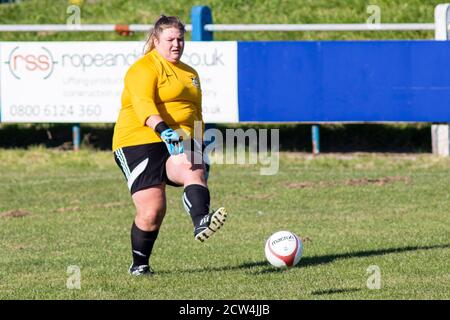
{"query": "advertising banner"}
[(81, 82)]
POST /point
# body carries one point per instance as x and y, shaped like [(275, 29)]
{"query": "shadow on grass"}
[(321, 260), (333, 291), (316, 261)]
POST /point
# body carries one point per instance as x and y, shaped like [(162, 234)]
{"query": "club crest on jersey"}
[(195, 82)]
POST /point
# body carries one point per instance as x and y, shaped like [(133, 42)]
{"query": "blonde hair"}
[(163, 22)]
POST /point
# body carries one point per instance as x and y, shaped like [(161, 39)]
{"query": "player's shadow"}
[(255, 266), (334, 291), (321, 260)]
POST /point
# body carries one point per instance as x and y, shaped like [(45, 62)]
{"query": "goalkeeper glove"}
[(173, 141)]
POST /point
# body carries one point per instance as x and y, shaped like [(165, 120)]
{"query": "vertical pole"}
[(315, 139), (76, 136), (440, 137), (440, 132), (201, 15)]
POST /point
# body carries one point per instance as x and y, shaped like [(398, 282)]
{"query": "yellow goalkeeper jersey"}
[(154, 86)]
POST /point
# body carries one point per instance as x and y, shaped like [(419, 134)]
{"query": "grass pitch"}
[(60, 209)]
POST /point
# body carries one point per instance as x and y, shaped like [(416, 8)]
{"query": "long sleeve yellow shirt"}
[(154, 86)]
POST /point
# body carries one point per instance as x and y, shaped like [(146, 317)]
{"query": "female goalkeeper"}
[(158, 141)]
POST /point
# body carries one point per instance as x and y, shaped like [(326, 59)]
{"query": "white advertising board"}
[(216, 64), (80, 82)]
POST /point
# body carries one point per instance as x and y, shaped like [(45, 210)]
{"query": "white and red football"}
[(284, 249)]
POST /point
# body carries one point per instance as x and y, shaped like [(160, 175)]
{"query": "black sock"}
[(196, 202), (142, 244)]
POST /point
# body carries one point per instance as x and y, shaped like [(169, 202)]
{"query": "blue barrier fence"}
[(344, 81), (341, 81)]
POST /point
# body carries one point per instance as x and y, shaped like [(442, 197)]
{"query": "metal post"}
[(201, 15), (440, 132), (315, 139), (440, 137), (76, 130)]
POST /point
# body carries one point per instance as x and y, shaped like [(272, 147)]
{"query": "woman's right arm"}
[(141, 82), (153, 121)]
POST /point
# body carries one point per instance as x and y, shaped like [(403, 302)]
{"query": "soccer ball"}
[(283, 249)]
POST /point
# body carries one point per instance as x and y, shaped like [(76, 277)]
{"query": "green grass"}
[(357, 210), (224, 12)]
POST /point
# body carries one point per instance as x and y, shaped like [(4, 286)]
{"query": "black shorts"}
[(144, 165)]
